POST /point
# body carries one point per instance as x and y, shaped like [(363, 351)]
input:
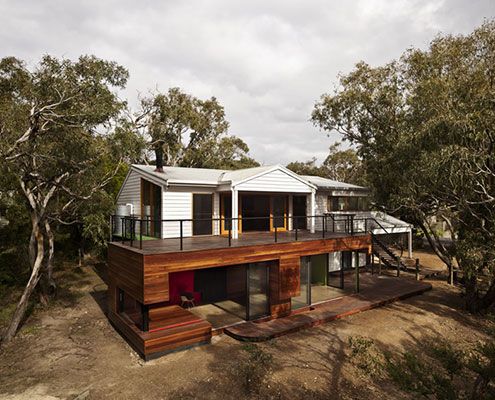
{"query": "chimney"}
[(159, 158)]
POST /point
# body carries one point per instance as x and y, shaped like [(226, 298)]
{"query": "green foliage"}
[(365, 355), (253, 368), (339, 165), (482, 362), (190, 132), (414, 375), (423, 126)]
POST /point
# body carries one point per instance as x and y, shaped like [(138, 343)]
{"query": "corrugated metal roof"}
[(185, 175), (324, 183), (208, 176)]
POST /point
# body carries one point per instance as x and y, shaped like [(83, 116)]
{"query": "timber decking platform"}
[(193, 243), (170, 328), (376, 291)]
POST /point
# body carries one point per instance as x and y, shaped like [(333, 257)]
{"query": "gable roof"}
[(215, 177)]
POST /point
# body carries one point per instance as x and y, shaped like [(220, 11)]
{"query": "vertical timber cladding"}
[(284, 284)]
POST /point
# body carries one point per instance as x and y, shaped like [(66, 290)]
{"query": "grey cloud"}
[(267, 62)]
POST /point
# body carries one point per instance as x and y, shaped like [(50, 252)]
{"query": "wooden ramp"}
[(376, 291)]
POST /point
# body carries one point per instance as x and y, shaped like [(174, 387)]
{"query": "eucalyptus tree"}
[(52, 121), (185, 131), (424, 127)]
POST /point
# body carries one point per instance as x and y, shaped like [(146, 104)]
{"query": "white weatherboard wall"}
[(274, 181), (176, 205), (131, 192)]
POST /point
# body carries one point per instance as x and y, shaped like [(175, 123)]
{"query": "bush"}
[(254, 368)]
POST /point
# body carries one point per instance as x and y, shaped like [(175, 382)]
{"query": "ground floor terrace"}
[(176, 327)]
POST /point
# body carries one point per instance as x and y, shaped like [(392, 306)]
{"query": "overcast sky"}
[(266, 61)]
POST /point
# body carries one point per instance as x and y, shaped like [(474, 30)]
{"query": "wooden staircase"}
[(387, 256)]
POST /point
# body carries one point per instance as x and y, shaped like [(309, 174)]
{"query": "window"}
[(348, 203)]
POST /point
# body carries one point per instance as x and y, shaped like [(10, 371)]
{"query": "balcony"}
[(165, 236)]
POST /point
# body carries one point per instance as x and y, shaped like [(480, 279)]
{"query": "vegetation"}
[(423, 126), (339, 165), (66, 140), (185, 131), (254, 369), (441, 372)]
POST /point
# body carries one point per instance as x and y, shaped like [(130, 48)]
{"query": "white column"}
[(313, 212), (409, 242), (235, 213), (290, 212)]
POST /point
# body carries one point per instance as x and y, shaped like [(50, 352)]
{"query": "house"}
[(193, 250)]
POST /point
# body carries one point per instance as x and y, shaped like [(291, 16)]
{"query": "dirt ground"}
[(71, 351)]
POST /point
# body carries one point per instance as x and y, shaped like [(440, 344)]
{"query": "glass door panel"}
[(304, 298), (279, 212), (202, 214), (226, 212), (258, 290)]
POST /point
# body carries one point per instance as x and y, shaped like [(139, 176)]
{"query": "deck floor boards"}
[(375, 291)]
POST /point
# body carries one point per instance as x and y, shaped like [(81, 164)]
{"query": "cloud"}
[(266, 62)]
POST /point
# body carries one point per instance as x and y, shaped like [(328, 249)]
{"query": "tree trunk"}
[(48, 286), (49, 263), (437, 247), (21, 308)]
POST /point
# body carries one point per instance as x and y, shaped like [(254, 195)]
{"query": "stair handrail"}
[(380, 243)]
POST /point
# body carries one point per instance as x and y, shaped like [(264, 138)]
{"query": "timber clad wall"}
[(126, 270), (274, 181)]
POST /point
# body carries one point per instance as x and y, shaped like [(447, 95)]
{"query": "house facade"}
[(192, 244)]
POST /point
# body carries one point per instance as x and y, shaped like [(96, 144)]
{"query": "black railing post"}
[(276, 230), (181, 234), (141, 234), (297, 225), (122, 230), (230, 233), (352, 224), (131, 229), (111, 228), (333, 224), (323, 226)]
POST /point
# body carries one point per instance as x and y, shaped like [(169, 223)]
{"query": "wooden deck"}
[(171, 328), (376, 291), (194, 243)]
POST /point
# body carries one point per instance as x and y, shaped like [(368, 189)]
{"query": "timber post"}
[(356, 266)]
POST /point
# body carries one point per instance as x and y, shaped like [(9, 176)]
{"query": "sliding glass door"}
[(258, 303), (304, 298)]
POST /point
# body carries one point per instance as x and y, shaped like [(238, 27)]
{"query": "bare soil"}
[(70, 351)]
